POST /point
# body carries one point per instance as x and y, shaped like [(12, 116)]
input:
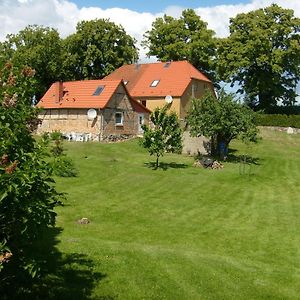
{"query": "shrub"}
[(27, 193)]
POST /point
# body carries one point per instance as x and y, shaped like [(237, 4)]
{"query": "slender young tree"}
[(165, 134)]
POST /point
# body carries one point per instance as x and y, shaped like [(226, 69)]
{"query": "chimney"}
[(58, 91)]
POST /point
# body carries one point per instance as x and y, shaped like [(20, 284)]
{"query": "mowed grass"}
[(182, 232)]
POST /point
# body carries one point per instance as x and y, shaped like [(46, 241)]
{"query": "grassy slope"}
[(186, 233)]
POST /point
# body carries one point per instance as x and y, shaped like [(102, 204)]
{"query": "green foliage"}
[(27, 193), (186, 38), (278, 120), (285, 110), (164, 135), (96, 49), (38, 47), (221, 119), (262, 54), (62, 165)]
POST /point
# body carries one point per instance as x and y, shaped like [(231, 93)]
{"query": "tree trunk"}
[(222, 146), (214, 146), (266, 101), (157, 161)]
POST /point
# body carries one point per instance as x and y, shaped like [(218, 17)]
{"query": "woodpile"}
[(208, 163), (217, 165), (115, 138)]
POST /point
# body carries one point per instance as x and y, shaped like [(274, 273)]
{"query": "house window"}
[(98, 90), (154, 83), (144, 102), (119, 119)]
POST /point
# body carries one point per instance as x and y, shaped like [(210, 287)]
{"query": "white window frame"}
[(122, 118), (155, 83)]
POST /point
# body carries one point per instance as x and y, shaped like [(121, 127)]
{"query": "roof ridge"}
[(89, 80)]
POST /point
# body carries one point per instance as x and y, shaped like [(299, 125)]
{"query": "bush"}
[(64, 167), (278, 120), (27, 192)]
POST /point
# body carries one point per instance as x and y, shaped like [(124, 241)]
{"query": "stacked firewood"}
[(217, 165), (208, 163)]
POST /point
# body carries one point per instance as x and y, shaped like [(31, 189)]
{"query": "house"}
[(155, 83), (91, 109)]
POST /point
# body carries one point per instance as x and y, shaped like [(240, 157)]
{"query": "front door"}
[(141, 121)]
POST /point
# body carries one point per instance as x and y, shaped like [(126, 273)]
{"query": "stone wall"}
[(68, 121), (195, 145)]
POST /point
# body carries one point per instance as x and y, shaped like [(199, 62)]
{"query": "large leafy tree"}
[(262, 54), (164, 135), (39, 48), (27, 194), (222, 120), (186, 38), (96, 49)]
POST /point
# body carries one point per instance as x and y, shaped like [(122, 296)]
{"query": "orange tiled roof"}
[(79, 94), (174, 77)]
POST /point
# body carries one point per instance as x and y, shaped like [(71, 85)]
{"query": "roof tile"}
[(173, 80)]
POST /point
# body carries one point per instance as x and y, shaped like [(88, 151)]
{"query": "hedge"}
[(278, 120), (285, 110)]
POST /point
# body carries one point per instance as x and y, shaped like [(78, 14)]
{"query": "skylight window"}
[(154, 83), (167, 64), (125, 82), (98, 90)]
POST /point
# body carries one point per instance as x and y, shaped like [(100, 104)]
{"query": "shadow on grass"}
[(232, 157), (63, 276), (165, 166)]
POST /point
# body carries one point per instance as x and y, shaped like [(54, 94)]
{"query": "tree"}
[(39, 48), (221, 119), (165, 134), (27, 193), (96, 49), (262, 54), (186, 38)]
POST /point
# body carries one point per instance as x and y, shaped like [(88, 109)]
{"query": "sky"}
[(155, 6), (135, 16)]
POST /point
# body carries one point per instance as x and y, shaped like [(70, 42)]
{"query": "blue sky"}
[(154, 6)]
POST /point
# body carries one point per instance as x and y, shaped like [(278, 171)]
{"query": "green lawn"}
[(180, 232)]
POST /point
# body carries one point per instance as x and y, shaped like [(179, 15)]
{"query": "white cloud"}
[(64, 15)]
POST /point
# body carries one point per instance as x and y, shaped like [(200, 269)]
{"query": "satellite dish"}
[(91, 114), (169, 99)]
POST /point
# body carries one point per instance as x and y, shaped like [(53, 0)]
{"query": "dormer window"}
[(154, 83), (98, 90)]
